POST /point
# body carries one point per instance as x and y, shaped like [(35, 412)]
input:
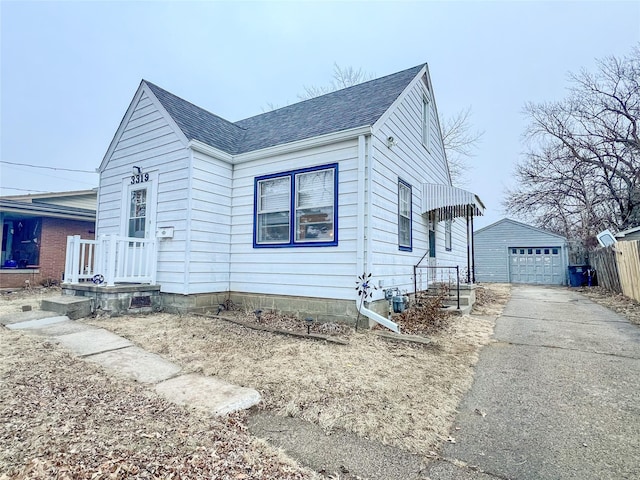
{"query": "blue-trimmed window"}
[(404, 216), (297, 208)]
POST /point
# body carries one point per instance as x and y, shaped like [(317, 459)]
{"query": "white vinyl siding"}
[(148, 141), (307, 271), (410, 160), (210, 221)]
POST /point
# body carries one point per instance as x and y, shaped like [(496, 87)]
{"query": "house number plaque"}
[(139, 178)]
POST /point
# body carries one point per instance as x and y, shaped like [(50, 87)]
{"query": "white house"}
[(285, 209)]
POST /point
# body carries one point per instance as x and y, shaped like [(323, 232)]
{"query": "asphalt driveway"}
[(556, 396)]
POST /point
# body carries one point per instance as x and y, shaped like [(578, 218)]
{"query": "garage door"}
[(536, 265)]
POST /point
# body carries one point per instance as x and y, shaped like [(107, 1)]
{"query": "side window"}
[(297, 208), (137, 213), (404, 215), (447, 235), (426, 122)]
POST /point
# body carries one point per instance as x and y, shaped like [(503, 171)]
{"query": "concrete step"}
[(72, 306), (452, 300)]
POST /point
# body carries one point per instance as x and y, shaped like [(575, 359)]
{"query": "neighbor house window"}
[(404, 215), (21, 242), (447, 235), (138, 213), (426, 122), (297, 208)]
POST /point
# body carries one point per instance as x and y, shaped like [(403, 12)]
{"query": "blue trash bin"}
[(578, 275)]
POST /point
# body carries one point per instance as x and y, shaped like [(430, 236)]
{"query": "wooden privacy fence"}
[(603, 261), (628, 261), (618, 268)]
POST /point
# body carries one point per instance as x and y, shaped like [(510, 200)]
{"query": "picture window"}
[(297, 208)]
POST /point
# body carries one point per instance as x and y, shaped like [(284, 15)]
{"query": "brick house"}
[(34, 234)]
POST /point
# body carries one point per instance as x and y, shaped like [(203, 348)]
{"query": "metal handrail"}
[(456, 268)]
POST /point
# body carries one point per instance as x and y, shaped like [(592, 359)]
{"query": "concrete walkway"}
[(557, 396), (122, 357)]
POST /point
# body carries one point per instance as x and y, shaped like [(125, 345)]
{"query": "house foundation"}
[(120, 299), (321, 309)]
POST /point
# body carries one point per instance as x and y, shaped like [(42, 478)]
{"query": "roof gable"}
[(356, 106), (519, 225), (352, 107)]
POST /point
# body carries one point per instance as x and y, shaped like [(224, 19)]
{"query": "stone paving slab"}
[(121, 356), (62, 328), (37, 323), (10, 318), (211, 394), (92, 341), (137, 364)]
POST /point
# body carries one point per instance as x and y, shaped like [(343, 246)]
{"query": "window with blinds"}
[(273, 212), (404, 215), (310, 219)]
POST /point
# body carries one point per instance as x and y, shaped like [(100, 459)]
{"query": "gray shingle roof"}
[(356, 106), (198, 124)]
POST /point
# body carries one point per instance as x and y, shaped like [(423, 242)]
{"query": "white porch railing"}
[(111, 259)]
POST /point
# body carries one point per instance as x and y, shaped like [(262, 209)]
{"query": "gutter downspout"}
[(364, 231)]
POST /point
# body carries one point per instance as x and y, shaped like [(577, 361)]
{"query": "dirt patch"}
[(625, 306), (12, 300)]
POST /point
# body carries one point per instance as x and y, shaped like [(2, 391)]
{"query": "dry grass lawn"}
[(403, 395)]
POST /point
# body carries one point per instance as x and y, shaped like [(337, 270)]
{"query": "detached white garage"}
[(512, 252)]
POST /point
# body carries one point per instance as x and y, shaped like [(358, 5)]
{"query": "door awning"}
[(450, 202)]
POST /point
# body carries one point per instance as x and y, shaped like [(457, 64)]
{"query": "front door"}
[(138, 222)]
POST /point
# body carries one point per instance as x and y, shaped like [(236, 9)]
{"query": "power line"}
[(49, 168), (23, 189)]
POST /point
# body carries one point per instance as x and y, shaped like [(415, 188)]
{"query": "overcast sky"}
[(70, 69)]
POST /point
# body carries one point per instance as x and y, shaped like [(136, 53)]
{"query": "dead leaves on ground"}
[(61, 417)]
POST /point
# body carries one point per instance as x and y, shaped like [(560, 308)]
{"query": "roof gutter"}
[(319, 141), (364, 241), (47, 210)]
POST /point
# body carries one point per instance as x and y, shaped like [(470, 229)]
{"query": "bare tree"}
[(342, 77), (460, 143), (581, 172)]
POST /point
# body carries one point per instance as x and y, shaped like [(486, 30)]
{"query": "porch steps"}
[(467, 297), (71, 306)]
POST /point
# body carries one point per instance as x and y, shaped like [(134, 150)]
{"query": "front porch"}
[(117, 273)]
